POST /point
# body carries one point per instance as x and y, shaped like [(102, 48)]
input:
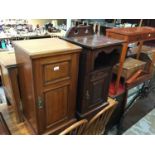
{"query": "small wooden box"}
[(130, 67)]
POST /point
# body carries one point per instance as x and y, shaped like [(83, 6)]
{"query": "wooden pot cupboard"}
[(48, 72), (97, 59)]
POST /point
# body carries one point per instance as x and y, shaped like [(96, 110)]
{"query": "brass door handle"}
[(40, 102)]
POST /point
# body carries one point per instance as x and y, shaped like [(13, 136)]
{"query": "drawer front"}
[(56, 71), (135, 38), (148, 36), (115, 36)]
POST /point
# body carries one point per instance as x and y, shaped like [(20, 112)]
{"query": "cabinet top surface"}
[(132, 30), (93, 41), (45, 46), (7, 59)]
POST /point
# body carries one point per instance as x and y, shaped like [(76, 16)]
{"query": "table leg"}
[(121, 62), (139, 49)]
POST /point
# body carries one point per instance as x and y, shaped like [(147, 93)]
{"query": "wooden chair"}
[(76, 128), (96, 126)]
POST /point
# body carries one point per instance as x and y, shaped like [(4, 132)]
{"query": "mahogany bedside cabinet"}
[(97, 59), (48, 72)]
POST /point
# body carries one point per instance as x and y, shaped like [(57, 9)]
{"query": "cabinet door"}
[(99, 87), (56, 79)]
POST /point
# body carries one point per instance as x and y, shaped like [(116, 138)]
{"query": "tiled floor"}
[(145, 126)]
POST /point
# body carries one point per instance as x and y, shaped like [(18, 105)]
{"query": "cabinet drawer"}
[(148, 36), (56, 71), (135, 38)]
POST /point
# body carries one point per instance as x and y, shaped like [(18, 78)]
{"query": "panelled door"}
[(98, 87), (55, 90)]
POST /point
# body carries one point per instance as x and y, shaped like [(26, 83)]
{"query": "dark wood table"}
[(130, 35)]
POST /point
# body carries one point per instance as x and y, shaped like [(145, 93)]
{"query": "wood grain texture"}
[(97, 125), (15, 127), (77, 128), (42, 47), (130, 35), (8, 59), (48, 83), (131, 31), (99, 55), (23, 128), (80, 31), (93, 41)]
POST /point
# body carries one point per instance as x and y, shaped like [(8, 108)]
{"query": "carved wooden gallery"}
[(76, 77)]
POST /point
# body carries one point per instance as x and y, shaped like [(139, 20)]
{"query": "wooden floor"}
[(10, 118), (17, 128)]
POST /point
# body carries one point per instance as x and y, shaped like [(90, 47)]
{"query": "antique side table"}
[(130, 35)]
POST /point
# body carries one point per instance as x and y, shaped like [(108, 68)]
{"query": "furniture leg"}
[(139, 49), (122, 58), (119, 125)]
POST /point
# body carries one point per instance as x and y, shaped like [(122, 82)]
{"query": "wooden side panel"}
[(26, 86), (6, 84)]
